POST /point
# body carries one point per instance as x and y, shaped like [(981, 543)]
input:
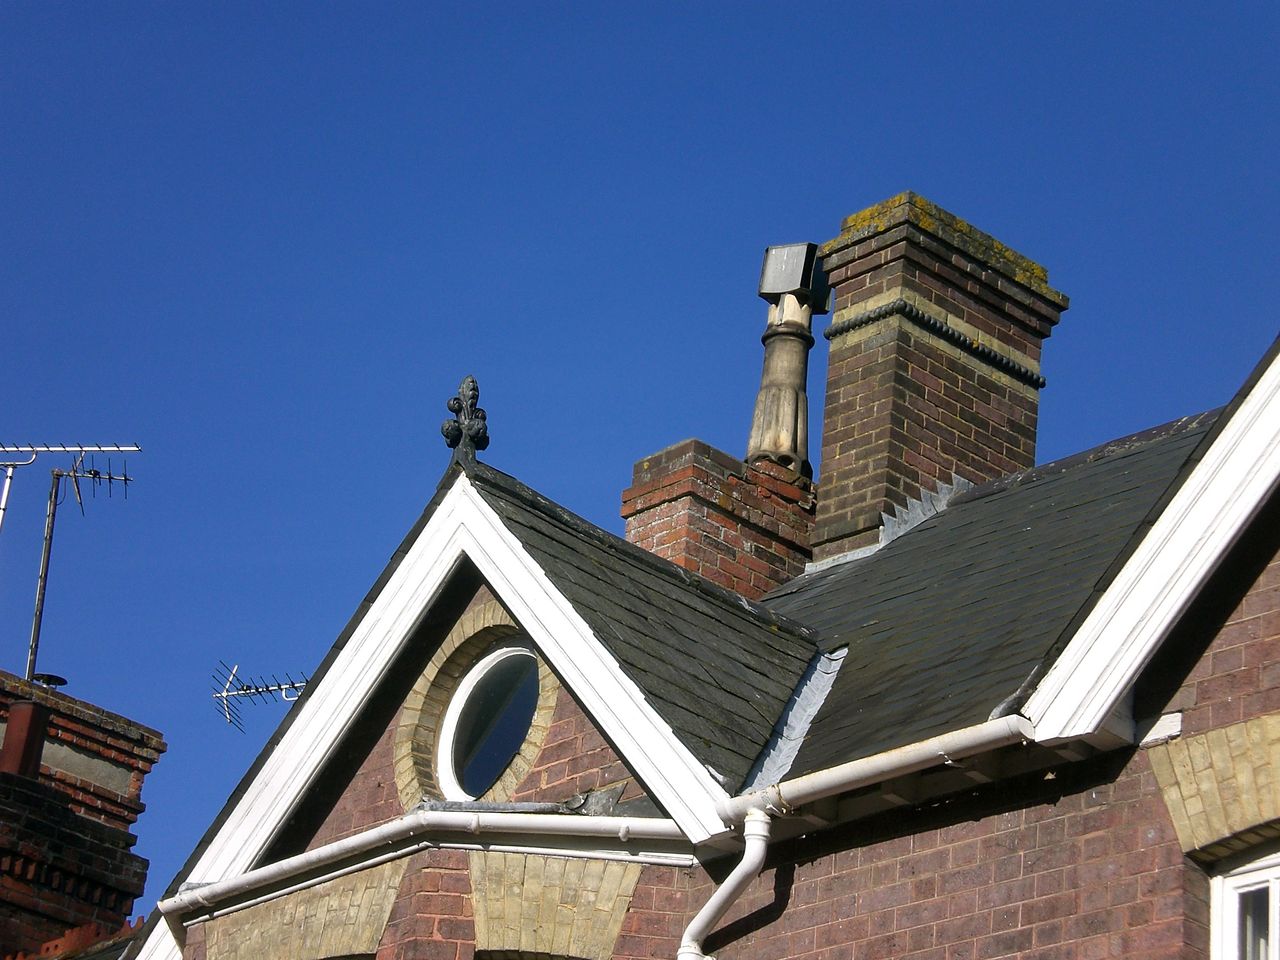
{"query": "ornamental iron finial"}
[(467, 432)]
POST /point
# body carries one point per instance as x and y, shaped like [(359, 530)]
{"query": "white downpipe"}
[(945, 748), (755, 831), (377, 845)]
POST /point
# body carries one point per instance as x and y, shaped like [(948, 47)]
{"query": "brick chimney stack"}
[(70, 790), (934, 370)]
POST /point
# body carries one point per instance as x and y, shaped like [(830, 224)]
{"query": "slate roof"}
[(946, 623), (717, 668)]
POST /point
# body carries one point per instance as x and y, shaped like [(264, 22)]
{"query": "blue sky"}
[(266, 242)]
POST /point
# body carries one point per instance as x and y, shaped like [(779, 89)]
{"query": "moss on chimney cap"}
[(908, 207)]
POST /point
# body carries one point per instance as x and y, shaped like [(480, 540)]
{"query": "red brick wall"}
[(369, 799), (574, 758), (432, 916), (665, 899), (1091, 872), (1239, 676), (902, 414), (743, 526)]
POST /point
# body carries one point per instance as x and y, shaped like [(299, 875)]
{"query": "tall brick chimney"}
[(934, 369)]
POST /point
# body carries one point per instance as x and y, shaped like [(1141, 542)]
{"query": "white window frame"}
[(446, 775), (1224, 906)]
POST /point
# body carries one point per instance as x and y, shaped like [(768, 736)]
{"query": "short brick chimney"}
[(934, 369), (745, 524)]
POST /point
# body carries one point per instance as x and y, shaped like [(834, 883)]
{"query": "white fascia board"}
[(1211, 509), (462, 525), (644, 740)]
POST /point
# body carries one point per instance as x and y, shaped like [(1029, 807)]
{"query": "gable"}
[(459, 543), (563, 759)]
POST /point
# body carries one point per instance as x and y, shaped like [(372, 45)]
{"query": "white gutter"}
[(387, 842), (948, 747), (756, 833)]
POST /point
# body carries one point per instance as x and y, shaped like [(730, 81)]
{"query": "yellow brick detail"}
[(1220, 783), (533, 903), (336, 918)]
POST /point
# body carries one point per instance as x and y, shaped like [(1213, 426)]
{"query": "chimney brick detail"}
[(934, 367), (66, 856), (743, 526)]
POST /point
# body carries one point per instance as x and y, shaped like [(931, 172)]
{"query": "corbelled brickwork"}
[(58, 869), (934, 367), (96, 758), (743, 526), (66, 855)]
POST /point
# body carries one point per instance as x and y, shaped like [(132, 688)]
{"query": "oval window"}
[(487, 722)]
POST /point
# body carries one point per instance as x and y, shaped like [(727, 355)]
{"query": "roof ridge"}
[(1116, 447), (483, 473)]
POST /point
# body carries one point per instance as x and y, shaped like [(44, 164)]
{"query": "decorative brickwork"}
[(59, 869), (743, 526), (65, 848), (934, 367), (1220, 779), (338, 918), (96, 758), (564, 754), (529, 904), (484, 623), (1221, 786)]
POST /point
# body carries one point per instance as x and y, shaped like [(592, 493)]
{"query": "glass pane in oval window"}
[(494, 722)]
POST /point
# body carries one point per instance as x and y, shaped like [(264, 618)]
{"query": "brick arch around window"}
[(416, 739)]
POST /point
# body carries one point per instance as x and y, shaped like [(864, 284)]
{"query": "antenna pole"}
[(4, 496), (43, 580)]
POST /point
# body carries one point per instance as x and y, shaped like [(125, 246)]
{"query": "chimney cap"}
[(795, 268)]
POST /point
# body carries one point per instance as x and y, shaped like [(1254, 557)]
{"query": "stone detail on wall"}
[(337, 918), (1222, 785), (484, 623), (550, 906)]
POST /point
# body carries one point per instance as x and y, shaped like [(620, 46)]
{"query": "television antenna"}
[(228, 687), (78, 471)]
